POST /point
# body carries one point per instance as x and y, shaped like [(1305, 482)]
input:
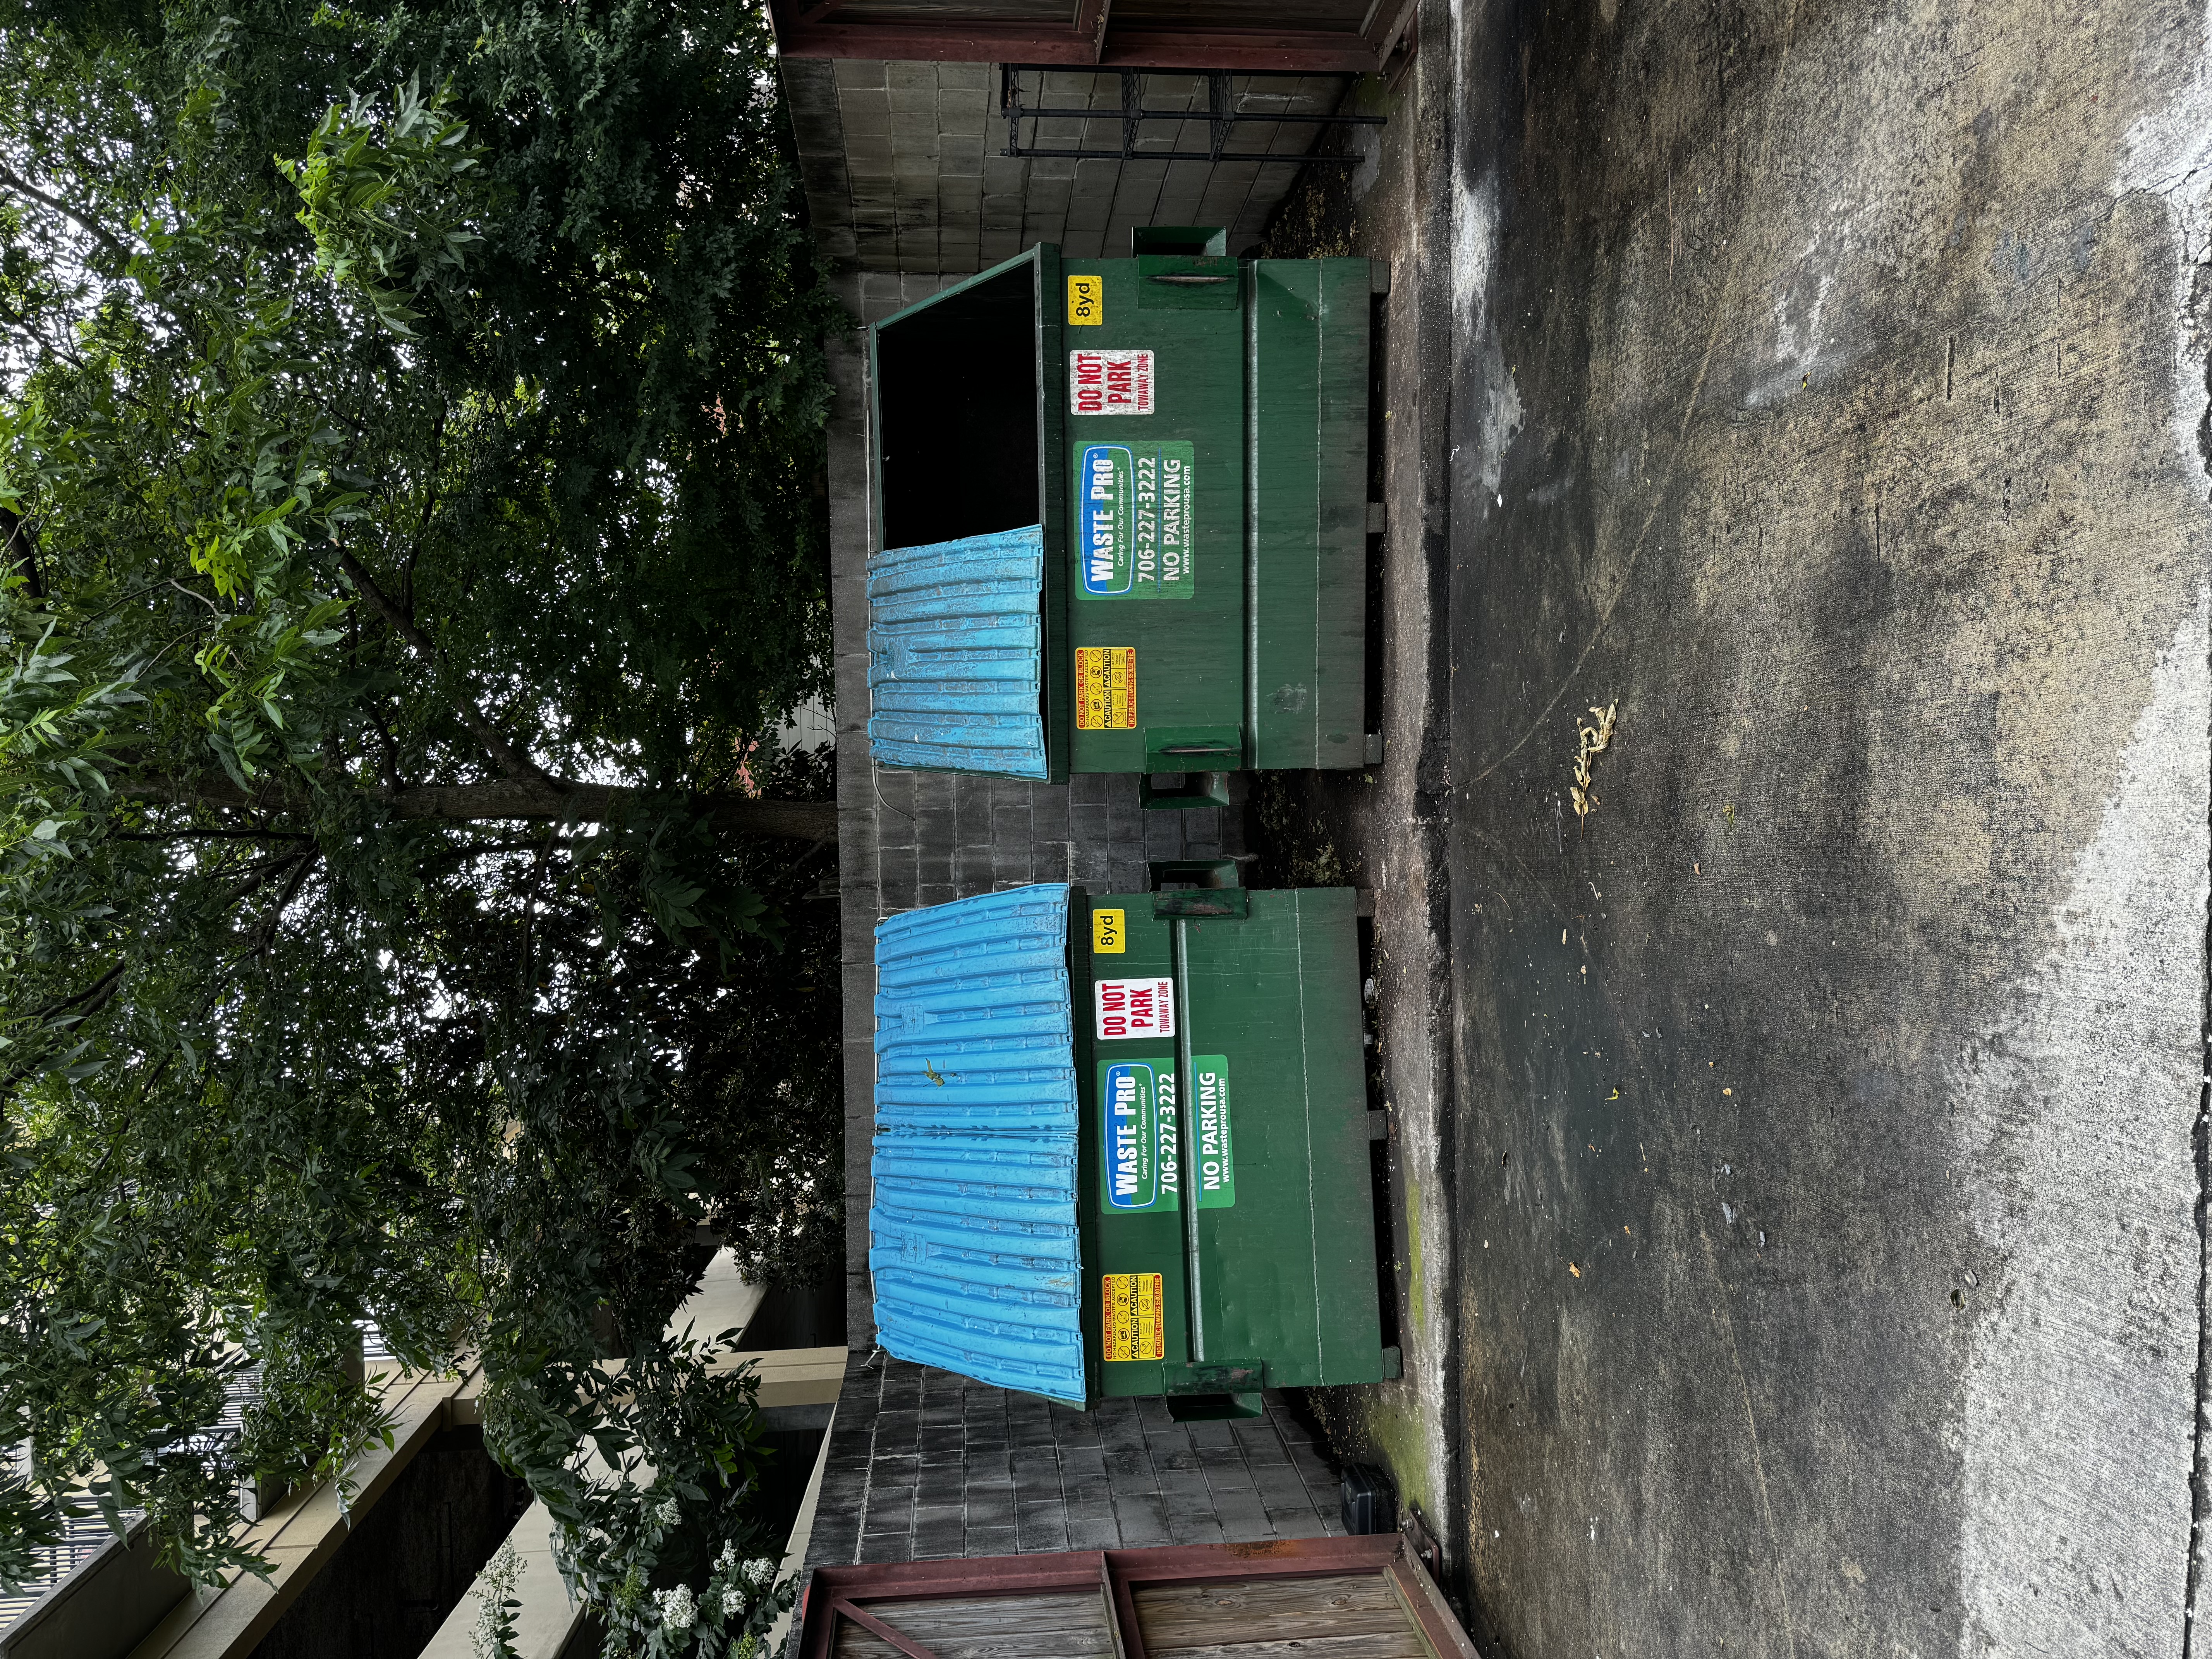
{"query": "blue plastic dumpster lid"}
[(971, 1227), (956, 654)]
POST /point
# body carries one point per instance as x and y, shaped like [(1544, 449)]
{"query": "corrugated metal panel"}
[(971, 1225), (956, 655)]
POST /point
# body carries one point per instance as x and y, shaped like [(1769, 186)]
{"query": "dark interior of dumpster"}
[(957, 405)]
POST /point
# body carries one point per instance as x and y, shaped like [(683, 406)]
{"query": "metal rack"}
[(1220, 115)]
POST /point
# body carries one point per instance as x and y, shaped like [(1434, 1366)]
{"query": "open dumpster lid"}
[(956, 655), (972, 1234), (966, 608)]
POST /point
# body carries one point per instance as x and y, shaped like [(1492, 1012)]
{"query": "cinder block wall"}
[(927, 1465), (912, 838), (908, 188)]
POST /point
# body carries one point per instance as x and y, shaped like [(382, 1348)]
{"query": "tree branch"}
[(387, 747), (206, 789), (297, 862), (560, 799), (99, 233), (100, 990), (299, 878), (210, 835), (430, 505), (23, 549), (511, 759)]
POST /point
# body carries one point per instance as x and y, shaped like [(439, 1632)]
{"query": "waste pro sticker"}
[(1109, 933), (1105, 688), (1135, 1313), (1133, 525), (1135, 1008), (1109, 382), (1086, 300), (1138, 1172), (1213, 1153)]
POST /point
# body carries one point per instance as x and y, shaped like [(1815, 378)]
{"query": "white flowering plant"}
[(727, 1618), (666, 1553), (493, 1635)]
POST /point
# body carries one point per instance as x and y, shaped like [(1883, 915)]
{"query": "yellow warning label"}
[(1109, 933), (1136, 1317), (1086, 300), (1105, 688)]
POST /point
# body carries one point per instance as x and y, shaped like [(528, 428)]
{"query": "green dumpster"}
[(1123, 510), (1122, 1146)]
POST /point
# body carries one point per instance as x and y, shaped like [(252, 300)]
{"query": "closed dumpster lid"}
[(956, 655), (971, 1227)]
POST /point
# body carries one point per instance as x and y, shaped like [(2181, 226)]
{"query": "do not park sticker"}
[(1135, 1008), (1132, 521), (1109, 382)]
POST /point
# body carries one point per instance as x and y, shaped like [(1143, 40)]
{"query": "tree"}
[(411, 545)]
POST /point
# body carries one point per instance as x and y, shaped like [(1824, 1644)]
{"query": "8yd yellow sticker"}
[(1086, 300), (1109, 933), (1135, 1316)]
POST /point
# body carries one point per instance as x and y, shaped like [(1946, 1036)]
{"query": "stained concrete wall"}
[(1828, 392)]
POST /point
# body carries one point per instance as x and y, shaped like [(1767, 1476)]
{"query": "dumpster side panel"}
[(1131, 1117), (1286, 1253), (1307, 417), (1155, 525), (973, 1241)]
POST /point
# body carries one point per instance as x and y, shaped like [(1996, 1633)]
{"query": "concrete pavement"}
[(1806, 1164)]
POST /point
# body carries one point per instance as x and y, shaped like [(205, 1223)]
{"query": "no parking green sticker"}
[(1213, 1153)]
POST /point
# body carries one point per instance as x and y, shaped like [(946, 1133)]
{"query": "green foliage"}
[(493, 1635), (408, 546)]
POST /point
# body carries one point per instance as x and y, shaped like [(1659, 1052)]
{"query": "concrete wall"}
[(103, 1608), (1829, 391)]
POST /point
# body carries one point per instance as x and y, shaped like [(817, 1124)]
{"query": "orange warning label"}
[(1105, 688), (1136, 1317)]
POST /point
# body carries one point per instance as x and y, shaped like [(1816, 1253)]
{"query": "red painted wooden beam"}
[(875, 1626), (1091, 21)]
